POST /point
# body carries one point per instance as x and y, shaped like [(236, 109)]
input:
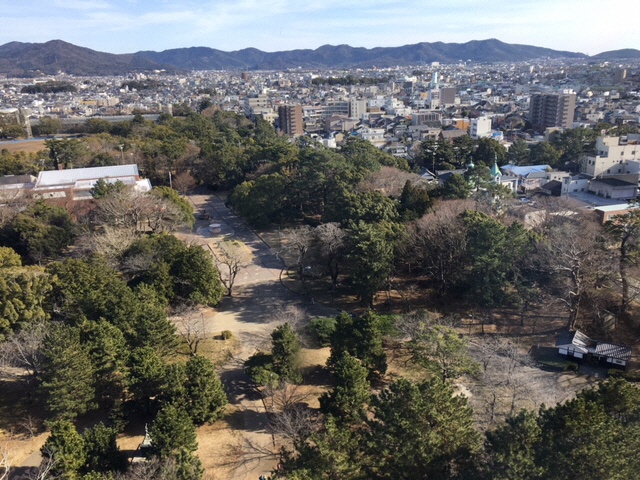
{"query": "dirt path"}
[(240, 447)]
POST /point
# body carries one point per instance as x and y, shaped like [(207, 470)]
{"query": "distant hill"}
[(625, 53), (51, 57), (32, 58), (344, 56)]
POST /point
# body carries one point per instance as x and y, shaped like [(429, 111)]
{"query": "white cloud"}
[(578, 25)]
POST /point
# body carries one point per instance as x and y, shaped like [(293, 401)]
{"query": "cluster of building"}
[(394, 108)]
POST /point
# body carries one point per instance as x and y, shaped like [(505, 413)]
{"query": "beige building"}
[(614, 156)]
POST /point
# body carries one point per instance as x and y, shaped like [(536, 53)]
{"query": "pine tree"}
[(68, 380), (285, 350), (172, 432), (102, 452), (204, 392), (67, 449), (361, 337), (352, 392), (109, 354), (421, 430)]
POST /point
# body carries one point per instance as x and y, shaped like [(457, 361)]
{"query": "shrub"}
[(323, 328), (226, 334)]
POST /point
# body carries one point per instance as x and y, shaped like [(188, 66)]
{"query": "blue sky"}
[(123, 26)]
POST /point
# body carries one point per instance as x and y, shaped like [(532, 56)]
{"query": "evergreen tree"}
[(595, 436), (67, 449), (422, 430), (360, 337), (518, 153), (370, 258), (102, 452), (147, 373), (24, 292), (352, 392), (68, 379), (109, 353), (204, 392), (104, 189), (172, 432), (150, 326), (188, 466), (443, 351), (285, 350), (39, 233), (414, 201), (513, 448)]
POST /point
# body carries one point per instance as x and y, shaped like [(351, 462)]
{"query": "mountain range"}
[(29, 59)]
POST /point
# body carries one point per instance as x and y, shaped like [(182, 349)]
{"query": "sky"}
[(126, 26)]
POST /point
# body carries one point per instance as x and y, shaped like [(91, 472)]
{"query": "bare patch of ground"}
[(32, 146)]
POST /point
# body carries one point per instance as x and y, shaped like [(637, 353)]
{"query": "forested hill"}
[(18, 58)]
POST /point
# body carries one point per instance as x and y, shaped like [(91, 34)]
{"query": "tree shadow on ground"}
[(20, 406), (247, 420), (318, 376), (257, 303), (238, 386)]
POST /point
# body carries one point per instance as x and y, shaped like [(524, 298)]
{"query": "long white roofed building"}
[(76, 183)]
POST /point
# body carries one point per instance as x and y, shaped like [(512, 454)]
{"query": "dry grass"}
[(216, 349), (33, 146)]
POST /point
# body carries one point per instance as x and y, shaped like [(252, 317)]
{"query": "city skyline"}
[(126, 26)]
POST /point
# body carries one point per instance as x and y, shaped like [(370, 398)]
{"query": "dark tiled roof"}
[(611, 350), (614, 182)]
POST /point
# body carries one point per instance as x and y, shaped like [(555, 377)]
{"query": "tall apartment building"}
[(619, 76), (552, 110), (290, 120)]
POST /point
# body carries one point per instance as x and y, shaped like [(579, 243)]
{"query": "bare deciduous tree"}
[(505, 380), (296, 243), (6, 460), (23, 349), (331, 242), (295, 316), (139, 211), (191, 326), (231, 258), (13, 202), (570, 253), (184, 182), (388, 180), (289, 415), (109, 241), (437, 243), (43, 471)]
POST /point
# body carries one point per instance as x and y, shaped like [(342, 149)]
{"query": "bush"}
[(386, 324), (259, 367), (559, 365), (226, 334), (323, 328), (629, 376), (571, 367)]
